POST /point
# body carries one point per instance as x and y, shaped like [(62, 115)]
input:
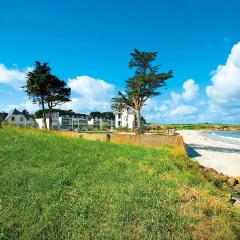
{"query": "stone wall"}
[(94, 136), (155, 141)]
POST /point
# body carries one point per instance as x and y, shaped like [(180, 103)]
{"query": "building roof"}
[(25, 113)]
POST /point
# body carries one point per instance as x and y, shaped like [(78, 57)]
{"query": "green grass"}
[(56, 187), (201, 126)]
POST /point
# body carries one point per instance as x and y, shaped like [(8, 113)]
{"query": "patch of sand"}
[(222, 156)]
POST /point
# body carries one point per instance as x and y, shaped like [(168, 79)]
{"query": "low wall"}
[(94, 136), (155, 141)]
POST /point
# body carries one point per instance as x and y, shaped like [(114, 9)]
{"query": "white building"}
[(21, 119), (65, 121), (125, 118), (95, 123)]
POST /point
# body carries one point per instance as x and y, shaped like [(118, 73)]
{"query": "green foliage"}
[(109, 115), (143, 85), (55, 187), (37, 82), (57, 92), (44, 88), (203, 126), (95, 114), (38, 113)]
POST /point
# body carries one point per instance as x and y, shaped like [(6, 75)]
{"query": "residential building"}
[(21, 119), (56, 125), (77, 121), (66, 121), (100, 123), (125, 118)]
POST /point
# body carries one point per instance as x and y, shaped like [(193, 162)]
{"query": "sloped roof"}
[(25, 113)]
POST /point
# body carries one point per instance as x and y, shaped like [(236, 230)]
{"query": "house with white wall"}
[(100, 123), (65, 121), (56, 125), (125, 118), (21, 119)]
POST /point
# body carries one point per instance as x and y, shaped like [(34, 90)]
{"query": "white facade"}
[(22, 119), (125, 118), (65, 121), (100, 123)]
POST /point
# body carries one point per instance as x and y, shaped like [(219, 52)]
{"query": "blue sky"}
[(88, 43)]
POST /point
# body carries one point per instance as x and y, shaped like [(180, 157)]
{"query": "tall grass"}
[(56, 187)]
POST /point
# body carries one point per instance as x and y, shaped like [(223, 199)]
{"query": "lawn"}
[(58, 187)]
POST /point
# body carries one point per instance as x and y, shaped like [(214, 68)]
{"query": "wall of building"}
[(19, 120), (125, 118), (55, 123)]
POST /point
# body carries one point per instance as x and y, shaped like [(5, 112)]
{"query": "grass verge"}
[(57, 187)]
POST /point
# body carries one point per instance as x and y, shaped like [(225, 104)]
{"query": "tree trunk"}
[(139, 127), (43, 115), (50, 116)]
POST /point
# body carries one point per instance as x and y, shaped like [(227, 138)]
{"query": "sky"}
[(88, 45)]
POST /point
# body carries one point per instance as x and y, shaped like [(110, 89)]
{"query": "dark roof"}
[(16, 112), (25, 113)]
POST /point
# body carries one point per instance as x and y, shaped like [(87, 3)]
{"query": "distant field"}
[(201, 126), (58, 187)]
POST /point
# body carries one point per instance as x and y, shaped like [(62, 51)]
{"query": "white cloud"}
[(91, 94), (13, 76), (225, 88), (29, 106), (190, 90), (173, 110), (224, 93), (26, 104), (176, 97), (183, 110)]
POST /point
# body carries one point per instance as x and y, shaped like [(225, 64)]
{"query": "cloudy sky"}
[(88, 43)]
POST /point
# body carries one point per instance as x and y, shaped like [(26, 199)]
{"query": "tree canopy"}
[(38, 113), (109, 115), (143, 85), (37, 85), (44, 88)]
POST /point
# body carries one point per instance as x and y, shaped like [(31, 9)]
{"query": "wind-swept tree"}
[(37, 85), (143, 85), (44, 88), (58, 93)]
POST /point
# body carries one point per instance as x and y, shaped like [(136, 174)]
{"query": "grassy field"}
[(202, 126), (56, 187)]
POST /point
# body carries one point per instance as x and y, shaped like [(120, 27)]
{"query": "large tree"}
[(57, 93), (143, 85), (37, 85), (44, 88)]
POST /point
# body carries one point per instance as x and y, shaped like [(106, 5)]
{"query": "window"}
[(119, 123), (119, 115), (13, 119), (21, 119)]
